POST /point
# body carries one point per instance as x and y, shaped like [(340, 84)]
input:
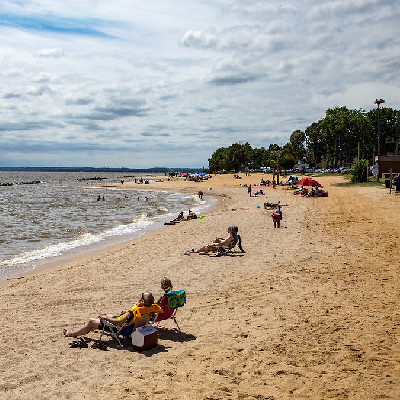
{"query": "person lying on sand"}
[(143, 306), (218, 242), (271, 205)]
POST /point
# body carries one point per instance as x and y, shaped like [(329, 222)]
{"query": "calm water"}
[(61, 215)]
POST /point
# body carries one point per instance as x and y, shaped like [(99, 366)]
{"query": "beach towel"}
[(176, 298)]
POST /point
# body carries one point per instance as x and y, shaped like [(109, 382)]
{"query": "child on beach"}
[(166, 285)]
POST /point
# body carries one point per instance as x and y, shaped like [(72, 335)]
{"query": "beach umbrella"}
[(307, 181)]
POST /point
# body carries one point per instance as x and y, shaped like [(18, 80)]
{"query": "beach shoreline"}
[(310, 310), (82, 253)]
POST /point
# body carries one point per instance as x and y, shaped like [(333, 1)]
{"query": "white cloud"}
[(55, 53)]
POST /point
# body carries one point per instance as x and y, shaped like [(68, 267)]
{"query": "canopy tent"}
[(307, 181)]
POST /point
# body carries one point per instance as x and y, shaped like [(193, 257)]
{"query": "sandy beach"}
[(309, 311)]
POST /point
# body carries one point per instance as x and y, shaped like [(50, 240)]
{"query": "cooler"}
[(144, 338)]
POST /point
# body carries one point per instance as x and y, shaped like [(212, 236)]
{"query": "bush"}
[(359, 172)]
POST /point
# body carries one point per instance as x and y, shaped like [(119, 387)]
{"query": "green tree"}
[(297, 144), (389, 121), (260, 157), (217, 161), (344, 132), (316, 143), (238, 156)]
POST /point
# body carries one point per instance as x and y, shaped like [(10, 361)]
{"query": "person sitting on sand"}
[(179, 217), (191, 215), (218, 242), (145, 305)]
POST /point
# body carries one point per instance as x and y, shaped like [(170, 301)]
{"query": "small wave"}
[(55, 250)]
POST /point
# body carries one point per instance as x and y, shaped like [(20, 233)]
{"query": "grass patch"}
[(363, 184)]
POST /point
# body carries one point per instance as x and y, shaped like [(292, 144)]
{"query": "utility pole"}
[(378, 103)]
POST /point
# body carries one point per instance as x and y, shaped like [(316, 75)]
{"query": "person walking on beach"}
[(276, 217), (249, 190), (145, 305)]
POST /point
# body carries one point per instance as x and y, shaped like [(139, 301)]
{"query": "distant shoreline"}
[(102, 169)]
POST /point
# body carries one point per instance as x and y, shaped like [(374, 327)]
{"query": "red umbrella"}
[(307, 181)]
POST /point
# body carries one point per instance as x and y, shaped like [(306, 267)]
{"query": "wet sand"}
[(311, 310)]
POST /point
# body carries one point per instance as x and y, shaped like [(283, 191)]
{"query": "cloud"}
[(232, 72), (152, 134), (238, 38), (199, 39), (38, 91), (120, 109), (81, 100), (12, 95), (263, 9), (51, 53)]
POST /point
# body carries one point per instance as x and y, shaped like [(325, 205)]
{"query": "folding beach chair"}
[(225, 250), (113, 330), (170, 303)]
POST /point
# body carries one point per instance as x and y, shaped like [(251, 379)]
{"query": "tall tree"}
[(217, 161), (315, 140), (297, 144), (389, 121)]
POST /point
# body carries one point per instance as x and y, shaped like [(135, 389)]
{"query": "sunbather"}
[(191, 215), (218, 242), (179, 217), (127, 317)]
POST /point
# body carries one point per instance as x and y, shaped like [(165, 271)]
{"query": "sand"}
[(310, 311)]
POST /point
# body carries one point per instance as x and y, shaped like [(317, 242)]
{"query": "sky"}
[(164, 83)]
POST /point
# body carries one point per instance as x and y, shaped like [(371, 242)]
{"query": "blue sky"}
[(164, 83)]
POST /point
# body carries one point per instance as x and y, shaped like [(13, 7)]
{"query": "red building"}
[(387, 163)]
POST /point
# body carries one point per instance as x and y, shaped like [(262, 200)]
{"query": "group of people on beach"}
[(181, 217), (145, 303)]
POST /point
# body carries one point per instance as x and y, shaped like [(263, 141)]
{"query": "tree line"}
[(341, 137)]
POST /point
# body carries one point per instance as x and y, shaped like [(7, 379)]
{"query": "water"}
[(61, 215)]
